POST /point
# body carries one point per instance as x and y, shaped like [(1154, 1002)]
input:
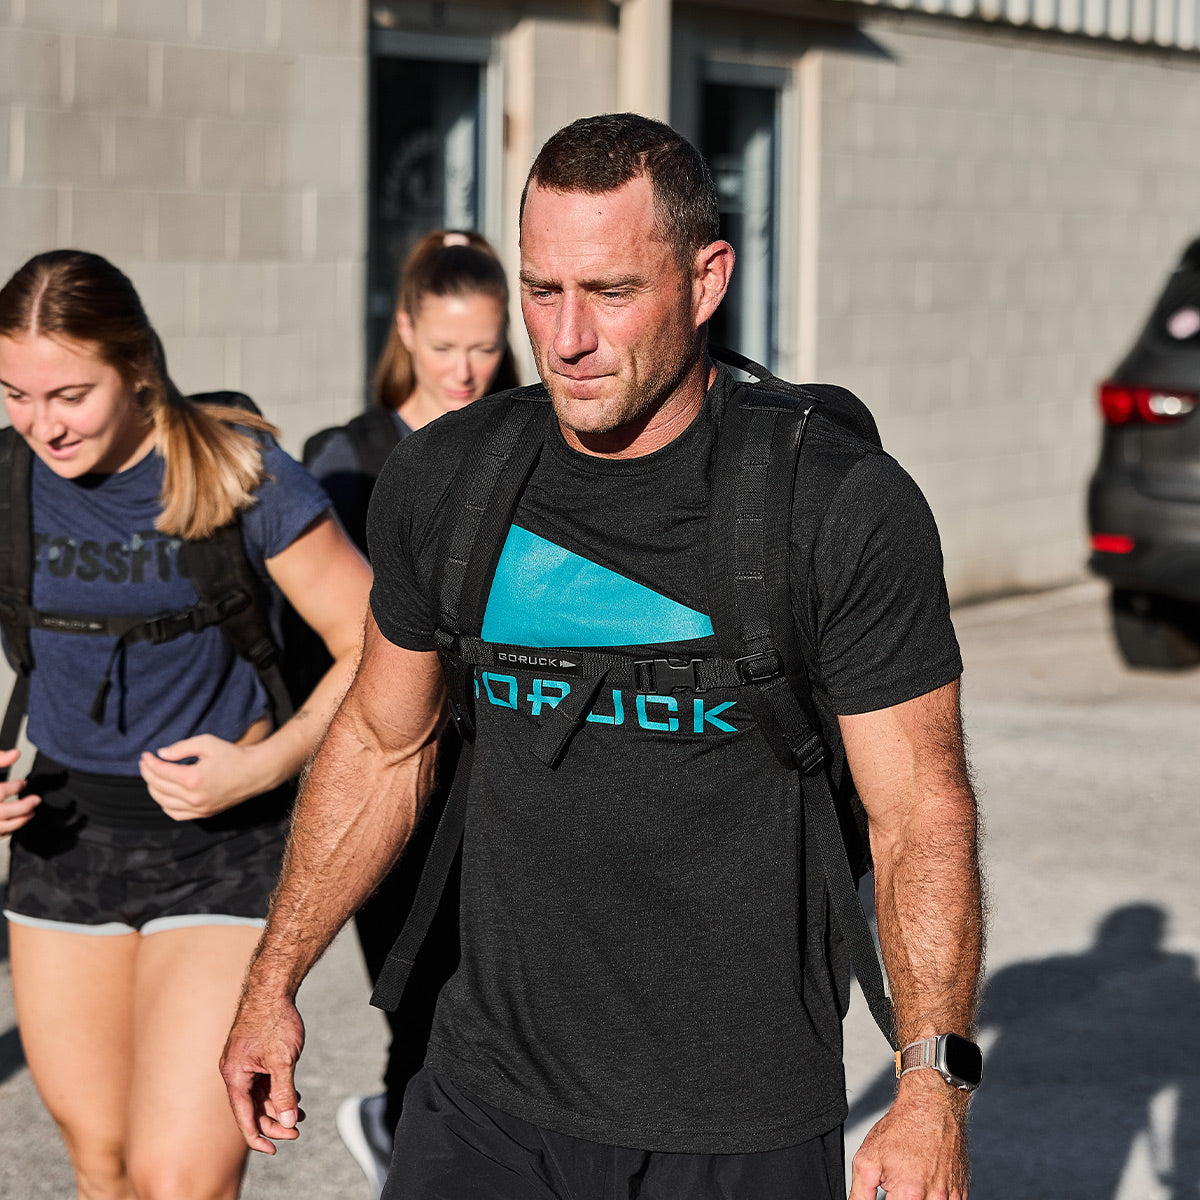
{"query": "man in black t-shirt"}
[(646, 1003)]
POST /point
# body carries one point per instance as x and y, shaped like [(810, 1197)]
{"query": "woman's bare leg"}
[(74, 1000), (183, 1142)]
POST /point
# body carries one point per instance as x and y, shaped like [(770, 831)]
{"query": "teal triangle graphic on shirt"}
[(543, 595)]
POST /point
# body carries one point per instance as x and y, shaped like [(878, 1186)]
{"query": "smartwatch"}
[(958, 1061)]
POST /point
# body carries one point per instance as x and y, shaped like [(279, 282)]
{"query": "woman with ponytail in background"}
[(447, 346), (148, 834)]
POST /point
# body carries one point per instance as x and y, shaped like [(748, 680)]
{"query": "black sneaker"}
[(361, 1126)]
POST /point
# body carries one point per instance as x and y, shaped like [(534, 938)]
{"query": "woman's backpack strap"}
[(16, 575), (223, 578)]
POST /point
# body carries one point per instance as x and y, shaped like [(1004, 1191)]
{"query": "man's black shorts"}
[(450, 1146)]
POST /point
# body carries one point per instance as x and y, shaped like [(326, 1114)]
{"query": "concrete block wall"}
[(998, 213), (215, 150)]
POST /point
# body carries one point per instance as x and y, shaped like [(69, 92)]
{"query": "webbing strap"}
[(18, 699), (494, 479), (564, 719), (822, 824), (16, 544), (219, 569), (389, 987), (649, 675), (485, 494), (758, 453)]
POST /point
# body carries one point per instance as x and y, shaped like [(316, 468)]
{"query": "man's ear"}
[(711, 271)]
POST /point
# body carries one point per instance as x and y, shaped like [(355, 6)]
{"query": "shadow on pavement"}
[(1090, 1054)]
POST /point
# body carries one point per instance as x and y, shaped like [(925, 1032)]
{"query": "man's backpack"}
[(229, 594), (749, 538)]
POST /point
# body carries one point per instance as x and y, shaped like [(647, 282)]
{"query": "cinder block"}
[(151, 151), (230, 298), (335, 86), (67, 16), (338, 366), (269, 84), (63, 147), (341, 226), (323, 27), (238, 24), (193, 226), (151, 20), (203, 363), (270, 227), (162, 287), (308, 296), (28, 224), (111, 73), (311, 154), (272, 366), (236, 154), (197, 80), (30, 66), (109, 221)]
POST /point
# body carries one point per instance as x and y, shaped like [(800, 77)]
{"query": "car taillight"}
[(1112, 543), (1122, 404)]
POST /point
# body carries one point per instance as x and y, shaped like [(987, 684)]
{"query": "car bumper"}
[(1165, 558)]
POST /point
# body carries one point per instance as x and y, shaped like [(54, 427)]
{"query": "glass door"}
[(739, 135), (427, 156)]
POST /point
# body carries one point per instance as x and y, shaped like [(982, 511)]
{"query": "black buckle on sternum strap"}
[(658, 675), (761, 667)]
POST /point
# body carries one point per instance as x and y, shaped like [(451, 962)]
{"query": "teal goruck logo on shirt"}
[(543, 596)]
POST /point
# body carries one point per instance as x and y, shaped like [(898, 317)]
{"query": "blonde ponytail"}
[(212, 467)]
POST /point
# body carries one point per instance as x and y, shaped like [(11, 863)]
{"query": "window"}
[(739, 135), (429, 138)]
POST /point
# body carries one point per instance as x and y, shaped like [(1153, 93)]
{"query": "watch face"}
[(963, 1059)]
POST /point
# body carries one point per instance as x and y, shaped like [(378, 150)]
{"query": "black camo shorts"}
[(69, 869)]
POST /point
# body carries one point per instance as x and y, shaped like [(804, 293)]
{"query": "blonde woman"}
[(148, 835)]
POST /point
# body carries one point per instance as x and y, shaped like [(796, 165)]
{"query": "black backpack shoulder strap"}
[(223, 577), (481, 503), (16, 546), (758, 451), (16, 575)]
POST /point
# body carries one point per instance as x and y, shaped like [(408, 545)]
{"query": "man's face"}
[(612, 318)]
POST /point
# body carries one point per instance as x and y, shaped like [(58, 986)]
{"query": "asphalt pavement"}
[(1088, 781)]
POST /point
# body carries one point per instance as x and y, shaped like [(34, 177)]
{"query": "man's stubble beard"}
[(639, 400)]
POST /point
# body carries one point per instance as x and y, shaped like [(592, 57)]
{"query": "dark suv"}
[(1144, 498)]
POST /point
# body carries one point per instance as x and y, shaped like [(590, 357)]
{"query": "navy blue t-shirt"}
[(96, 551)]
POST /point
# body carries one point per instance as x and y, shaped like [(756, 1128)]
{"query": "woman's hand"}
[(203, 775), (15, 809)]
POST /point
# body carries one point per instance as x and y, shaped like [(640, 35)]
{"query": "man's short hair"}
[(600, 154)]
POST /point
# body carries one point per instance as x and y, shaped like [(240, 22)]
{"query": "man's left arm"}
[(910, 768)]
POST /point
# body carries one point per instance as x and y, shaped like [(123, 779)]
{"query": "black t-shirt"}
[(645, 961)]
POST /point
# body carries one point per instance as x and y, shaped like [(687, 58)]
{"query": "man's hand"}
[(260, 1056), (918, 1149)]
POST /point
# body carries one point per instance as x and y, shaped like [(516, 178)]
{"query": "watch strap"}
[(916, 1055)]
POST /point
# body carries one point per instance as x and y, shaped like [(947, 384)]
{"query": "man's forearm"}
[(929, 907), (356, 810)]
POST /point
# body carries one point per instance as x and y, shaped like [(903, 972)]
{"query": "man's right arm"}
[(359, 802)]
